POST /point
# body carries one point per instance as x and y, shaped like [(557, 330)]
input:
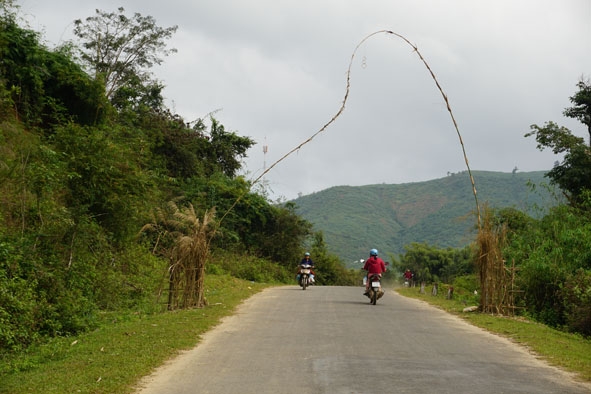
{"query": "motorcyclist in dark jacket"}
[(306, 261)]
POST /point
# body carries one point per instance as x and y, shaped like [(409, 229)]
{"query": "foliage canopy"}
[(119, 50), (573, 174)]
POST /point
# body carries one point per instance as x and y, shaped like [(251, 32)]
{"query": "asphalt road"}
[(330, 340)]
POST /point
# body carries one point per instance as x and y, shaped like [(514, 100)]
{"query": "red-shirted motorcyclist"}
[(373, 265)]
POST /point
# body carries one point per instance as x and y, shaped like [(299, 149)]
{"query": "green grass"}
[(569, 352), (125, 348)]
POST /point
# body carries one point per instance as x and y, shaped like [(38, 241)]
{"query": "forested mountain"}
[(439, 212)]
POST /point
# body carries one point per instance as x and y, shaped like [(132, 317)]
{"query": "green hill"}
[(440, 212)]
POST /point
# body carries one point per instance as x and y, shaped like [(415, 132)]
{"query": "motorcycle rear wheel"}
[(374, 297)]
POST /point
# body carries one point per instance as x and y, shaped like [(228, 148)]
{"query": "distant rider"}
[(306, 261), (373, 265), (408, 277)]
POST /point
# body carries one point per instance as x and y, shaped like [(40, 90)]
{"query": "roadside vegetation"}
[(122, 224), (123, 348)]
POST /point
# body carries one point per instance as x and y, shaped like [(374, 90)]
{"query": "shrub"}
[(576, 295), (248, 268), (468, 283), (18, 321)]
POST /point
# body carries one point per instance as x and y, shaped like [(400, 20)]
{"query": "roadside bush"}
[(540, 281), (553, 256), (576, 295), (18, 309), (17, 314), (132, 281), (37, 300), (466, 282), (431, 264), (248, 268)]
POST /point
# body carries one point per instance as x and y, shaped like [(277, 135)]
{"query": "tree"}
[(582, 105), (573, 174), (196, 152), (225, 149), (42, 87), (282, 233), (119, 50), (432, 264), (329, 269), (8, 9), (558, 138)]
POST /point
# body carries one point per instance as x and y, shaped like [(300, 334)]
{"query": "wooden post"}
[(450, 292)]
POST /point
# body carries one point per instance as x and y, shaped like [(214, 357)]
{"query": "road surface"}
[(330, 340)]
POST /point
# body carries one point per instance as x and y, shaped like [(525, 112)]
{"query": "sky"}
[(276, 71)]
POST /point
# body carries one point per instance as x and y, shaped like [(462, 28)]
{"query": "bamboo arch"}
[(199, 243), (342, 108)]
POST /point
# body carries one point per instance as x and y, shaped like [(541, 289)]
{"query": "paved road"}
[(330, 340)]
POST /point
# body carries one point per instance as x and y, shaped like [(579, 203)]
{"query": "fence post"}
[(450, 292)]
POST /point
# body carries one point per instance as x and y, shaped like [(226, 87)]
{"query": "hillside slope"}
[(440, 212)]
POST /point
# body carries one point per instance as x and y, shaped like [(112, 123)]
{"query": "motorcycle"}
[(305, 278), (375, 291)]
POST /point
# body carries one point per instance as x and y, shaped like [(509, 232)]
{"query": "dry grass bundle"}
[(495, 296), (186, 240), (188, 259)]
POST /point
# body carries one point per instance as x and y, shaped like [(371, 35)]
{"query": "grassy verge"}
[(112, 358), (569, 352)]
